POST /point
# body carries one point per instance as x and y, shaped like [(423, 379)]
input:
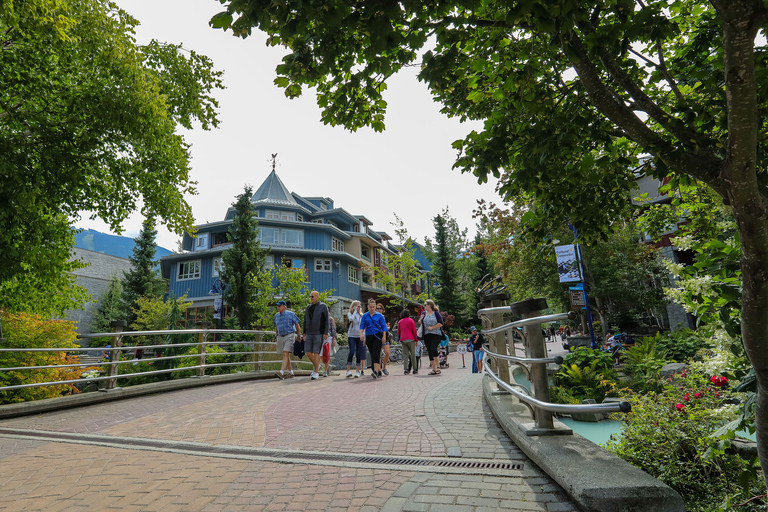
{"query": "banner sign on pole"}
[(217, 308), (567, 264)]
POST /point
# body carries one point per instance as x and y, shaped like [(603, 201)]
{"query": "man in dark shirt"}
[(477, 340), (315, 330)]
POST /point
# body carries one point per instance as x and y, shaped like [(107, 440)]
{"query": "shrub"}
[(683, 344), (215, 355), (670, 436), (33, 331), (583, 357), (643, 362), (589, 382), (562, 395)]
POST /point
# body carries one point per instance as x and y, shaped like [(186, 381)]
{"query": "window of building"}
[(270, 261), (201, 242), (189, 270), (292, 237), (219, 239), (318, 221), (322, 265), (218, 266), (356, 228), (366, 279), (352, 275), (279, 215), (282, 237), (376, 257), (337, 245), (299, 217), (269, 236), (365, 252)]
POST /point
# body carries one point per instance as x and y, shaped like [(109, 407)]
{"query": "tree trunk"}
[(740, 21)]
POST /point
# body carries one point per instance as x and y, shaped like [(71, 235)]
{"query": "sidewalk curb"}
[(595, 478), (98, 397)]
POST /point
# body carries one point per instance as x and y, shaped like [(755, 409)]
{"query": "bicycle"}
[(395, 353)]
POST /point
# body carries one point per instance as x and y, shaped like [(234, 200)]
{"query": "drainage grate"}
[(434, 465)]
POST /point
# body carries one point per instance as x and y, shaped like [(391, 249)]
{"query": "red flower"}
[(679, 406), (687, 397), (697, 395)]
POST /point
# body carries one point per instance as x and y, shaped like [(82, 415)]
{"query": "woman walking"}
[(374, 328), (432, 325), (406, 327), (384, 343), (356, 346)]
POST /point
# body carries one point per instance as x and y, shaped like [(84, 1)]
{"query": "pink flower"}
[(697, 395), (687, 397), (679, 406)]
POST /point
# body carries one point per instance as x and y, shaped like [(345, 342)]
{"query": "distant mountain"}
[(120, 246)]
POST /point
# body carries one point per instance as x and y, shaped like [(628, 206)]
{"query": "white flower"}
[(684, 242)]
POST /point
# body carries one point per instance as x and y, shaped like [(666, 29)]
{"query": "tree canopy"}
[(570, 93), (88, 122)]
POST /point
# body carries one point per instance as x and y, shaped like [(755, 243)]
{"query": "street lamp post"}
[(593, 343)]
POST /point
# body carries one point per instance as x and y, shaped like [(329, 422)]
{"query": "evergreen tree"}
[(111, 307), (142, 280), (243, 260), (445, 270)]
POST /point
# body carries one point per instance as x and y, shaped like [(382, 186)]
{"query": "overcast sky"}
[(404, 170)]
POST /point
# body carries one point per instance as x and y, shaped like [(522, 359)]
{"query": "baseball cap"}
[(281, 303)]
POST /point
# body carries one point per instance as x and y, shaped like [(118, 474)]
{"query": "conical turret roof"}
[(273, 191)]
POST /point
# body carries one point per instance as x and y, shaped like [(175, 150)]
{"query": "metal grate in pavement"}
[(422, 464)]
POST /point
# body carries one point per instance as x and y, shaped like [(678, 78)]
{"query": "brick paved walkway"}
[(406, 416)]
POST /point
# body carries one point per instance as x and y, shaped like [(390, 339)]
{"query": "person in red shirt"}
[(406, 327)]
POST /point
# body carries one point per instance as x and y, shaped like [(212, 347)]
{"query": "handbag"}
[(420, 332), (298, 348)]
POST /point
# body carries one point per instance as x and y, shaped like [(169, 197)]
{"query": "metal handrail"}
[(524, 322), (563, 408), (557, 359), (127, 348)]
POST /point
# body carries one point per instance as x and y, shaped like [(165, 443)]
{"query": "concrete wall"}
[(94, 278)]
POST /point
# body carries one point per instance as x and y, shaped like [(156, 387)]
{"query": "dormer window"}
[(365, 252), (201, 242)]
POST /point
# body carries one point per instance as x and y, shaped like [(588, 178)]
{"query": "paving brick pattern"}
[(398, 415)]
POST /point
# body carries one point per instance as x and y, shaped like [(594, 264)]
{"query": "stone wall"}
[(94, 278)]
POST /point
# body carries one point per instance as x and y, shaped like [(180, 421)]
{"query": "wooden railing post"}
[(201, 352), (114, 352)]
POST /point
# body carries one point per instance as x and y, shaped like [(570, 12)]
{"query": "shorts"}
[(313, 343), (325, 355), (479, 355), (285, 343)]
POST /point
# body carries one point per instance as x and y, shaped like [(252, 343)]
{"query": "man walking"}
[(288, 330), (315, 330)]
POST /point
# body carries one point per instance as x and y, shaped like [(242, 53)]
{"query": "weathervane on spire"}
[(274, 161)]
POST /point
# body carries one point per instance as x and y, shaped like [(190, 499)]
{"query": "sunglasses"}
[(380, 309)]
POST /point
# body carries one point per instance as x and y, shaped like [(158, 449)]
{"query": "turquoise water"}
[(597, 432)]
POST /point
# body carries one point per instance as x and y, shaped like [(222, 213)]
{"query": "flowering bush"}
[(670, 435)]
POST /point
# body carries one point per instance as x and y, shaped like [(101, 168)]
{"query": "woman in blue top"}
[(432, 325), (373, 329)]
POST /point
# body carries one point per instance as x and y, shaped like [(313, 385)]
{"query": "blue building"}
[(334, 247)]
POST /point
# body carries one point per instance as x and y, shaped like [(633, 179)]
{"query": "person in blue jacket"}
[(373, 329)]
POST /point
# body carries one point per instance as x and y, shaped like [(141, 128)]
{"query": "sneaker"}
[(380, 376), (385, 371), (373, 374), (415, 372), (406, 372), (349, 373), (357, 374), (313, 376), (289, 376), (325, 374), (280, 375)]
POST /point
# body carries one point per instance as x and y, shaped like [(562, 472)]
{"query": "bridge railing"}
[(534, 364), (117, 348)]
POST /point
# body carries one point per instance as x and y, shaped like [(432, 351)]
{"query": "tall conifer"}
[(142, 279), (244, 258)]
